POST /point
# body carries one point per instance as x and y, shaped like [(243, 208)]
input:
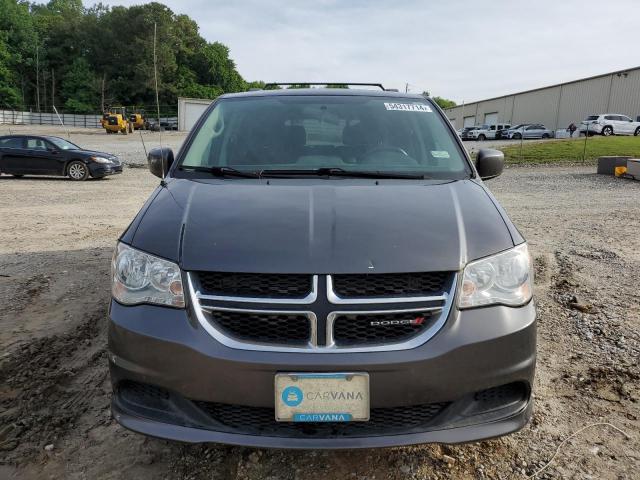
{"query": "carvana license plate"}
[(322, 397)]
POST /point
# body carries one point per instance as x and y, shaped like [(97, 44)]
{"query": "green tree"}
[(84, 54), (9, 93), (19, 37), (79, 87), (444, 103)]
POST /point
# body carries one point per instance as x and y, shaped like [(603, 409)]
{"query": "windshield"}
[(63, 144), (353, 133)]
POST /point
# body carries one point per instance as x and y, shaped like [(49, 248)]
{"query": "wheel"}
[(77, 171), (481, 138), (545, 136), (637, 132), (517, 136), (607, 131)]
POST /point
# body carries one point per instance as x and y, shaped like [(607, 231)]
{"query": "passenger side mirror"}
[(160, 160), (489, 163)]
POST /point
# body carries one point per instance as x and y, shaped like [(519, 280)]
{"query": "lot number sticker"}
[(408, 107)]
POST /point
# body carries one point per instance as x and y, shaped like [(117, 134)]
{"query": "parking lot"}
[(55, 249)]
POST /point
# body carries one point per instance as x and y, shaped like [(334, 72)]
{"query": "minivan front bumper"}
[(478, 369)]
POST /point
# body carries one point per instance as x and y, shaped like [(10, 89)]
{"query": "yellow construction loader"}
[(139, 120), (115, 120)]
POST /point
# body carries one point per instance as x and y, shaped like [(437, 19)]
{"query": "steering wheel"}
[(366, 156)]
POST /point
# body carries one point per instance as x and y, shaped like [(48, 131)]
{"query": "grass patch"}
[(571, 150)]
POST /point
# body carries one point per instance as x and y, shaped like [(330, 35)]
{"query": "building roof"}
[(617, 72)]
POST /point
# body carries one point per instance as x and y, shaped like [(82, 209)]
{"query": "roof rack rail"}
[(274, 84)]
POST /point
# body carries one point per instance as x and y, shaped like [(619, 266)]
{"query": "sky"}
[(459, 49)]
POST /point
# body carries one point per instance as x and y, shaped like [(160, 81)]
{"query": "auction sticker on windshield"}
[(322, 397), (408, 107)]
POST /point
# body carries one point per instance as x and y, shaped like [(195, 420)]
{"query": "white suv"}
[(609, 124), (485, 132)]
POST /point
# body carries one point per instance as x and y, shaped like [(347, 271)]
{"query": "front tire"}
[(77, 171), (517, 136), (607, 131), (545, 136), (637, 132), (481, 138)]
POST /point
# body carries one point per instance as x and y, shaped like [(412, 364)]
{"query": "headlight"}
[(505, 279), (137, 277), (100, 160)]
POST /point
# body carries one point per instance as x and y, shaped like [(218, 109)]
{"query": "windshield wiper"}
[(340, 172), (221, 171)]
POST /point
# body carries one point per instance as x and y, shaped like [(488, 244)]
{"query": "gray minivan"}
[(322, 268)]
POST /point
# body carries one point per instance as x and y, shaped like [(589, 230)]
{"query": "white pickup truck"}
[(486, 132)]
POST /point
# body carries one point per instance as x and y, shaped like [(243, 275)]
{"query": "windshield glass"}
[(355, 133), (63, 144)]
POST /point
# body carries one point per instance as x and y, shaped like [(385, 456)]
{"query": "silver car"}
[(534, 130)]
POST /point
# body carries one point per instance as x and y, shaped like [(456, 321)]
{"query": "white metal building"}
[(558, 105), (189, 111)]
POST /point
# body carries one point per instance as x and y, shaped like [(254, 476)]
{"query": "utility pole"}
[(53, 87), (44, 88), (406, 87), (103, 79), (37, 77)]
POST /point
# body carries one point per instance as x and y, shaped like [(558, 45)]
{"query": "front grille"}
[(256, 284), (359, 329), (383, 421), (281, 328), (390, 284)]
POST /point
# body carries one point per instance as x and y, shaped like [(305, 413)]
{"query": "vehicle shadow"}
[(41, 178)]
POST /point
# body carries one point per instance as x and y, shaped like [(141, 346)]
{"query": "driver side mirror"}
[(160, 160), (489, 163)]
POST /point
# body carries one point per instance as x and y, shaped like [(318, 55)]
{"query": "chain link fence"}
[(168, 117)]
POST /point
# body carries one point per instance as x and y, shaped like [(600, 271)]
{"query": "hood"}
[(321, 226), (92, 153)]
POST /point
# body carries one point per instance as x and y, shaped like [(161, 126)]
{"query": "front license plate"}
[(322, 397)]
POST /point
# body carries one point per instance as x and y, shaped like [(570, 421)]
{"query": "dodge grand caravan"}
[(322, 268)]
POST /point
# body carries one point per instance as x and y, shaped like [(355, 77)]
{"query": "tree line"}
[(82, 60)]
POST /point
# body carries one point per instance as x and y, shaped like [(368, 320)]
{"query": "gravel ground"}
[(56, 241)]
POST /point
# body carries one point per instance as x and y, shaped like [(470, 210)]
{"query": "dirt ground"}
[(56, 240)]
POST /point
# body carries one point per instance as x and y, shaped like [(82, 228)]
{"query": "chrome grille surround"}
[(437, 306)]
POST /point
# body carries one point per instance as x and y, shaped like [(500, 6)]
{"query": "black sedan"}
[(47, 155)]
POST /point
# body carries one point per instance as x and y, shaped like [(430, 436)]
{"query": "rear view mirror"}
[(489, 163), (160, 160)]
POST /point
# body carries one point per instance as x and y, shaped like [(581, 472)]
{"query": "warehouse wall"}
[(560, 105)]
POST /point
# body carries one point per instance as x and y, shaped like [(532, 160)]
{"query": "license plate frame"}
[(322, 397)]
